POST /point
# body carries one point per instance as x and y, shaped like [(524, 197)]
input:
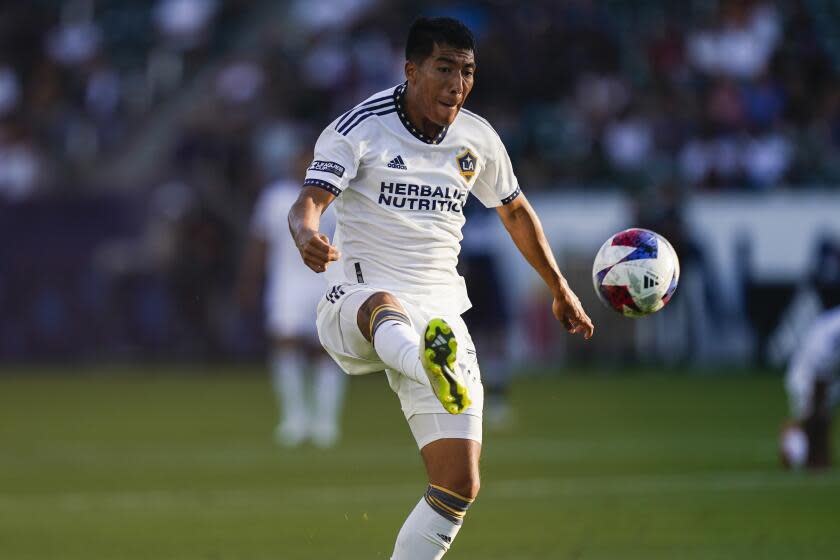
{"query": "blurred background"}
[(136, 137), (125, 198)]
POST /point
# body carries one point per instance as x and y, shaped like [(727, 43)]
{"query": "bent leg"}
[(377, 309), (383, 321), (430, 360)]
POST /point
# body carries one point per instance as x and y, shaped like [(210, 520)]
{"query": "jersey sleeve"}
[(496, 184), (335, 164)]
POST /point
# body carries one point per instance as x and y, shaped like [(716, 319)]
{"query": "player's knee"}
[(465, 484), (469, 487)]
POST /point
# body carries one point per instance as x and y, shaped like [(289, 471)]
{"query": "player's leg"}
[(450, 446), (489, 325), (288, 362), (328, 396), (452, 468), (816, 427), (498, 414), (383, 321)]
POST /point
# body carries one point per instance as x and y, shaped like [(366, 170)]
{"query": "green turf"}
[(166, 466)]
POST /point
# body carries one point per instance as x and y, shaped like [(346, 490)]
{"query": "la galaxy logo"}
[(467, 164)]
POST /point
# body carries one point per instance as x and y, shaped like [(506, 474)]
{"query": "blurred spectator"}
[(184, 23), (9, 90), (19, 166), (766, 159), (724, 93), (73, 43), (740, 44), (629, 142)]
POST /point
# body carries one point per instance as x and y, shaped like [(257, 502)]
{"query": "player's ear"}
[(410, 71)]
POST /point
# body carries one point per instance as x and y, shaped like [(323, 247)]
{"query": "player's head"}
[(440, 66)]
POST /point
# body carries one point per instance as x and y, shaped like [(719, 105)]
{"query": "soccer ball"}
[(636, 272)]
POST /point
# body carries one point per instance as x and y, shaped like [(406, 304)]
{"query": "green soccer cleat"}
[(437, 354)]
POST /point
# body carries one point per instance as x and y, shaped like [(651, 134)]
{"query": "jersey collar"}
[(399, 99)]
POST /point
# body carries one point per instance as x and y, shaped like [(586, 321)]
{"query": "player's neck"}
[(415, 115)]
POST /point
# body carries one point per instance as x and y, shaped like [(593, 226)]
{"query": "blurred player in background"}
[(399, 167), (813, 387), (489, 316), (291, 295)]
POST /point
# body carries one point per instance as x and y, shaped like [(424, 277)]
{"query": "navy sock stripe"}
[(442, 512), (447, 505), (452, 501), (387, 314)]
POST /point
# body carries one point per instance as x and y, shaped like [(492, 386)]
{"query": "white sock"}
[(398, 346), (287, 379), (329, 397), (425, 535)]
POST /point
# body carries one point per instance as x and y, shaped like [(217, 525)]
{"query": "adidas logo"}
[(445, 538), (397, 163), (650, 282), (439, 342)]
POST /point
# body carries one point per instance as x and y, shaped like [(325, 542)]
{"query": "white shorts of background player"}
[(289, 308)]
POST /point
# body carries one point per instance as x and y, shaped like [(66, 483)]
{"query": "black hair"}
[(426, 32)]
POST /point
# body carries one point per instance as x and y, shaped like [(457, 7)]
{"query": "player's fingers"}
[(567, 323), (316, 264), (318, 244), (584, 323), (577, 328), (319, 247), (333, 254), (586, 329), (315, 251), (320, 257), (314, 267)]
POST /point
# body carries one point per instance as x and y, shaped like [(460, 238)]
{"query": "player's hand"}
[(568, 310), (317, 252)]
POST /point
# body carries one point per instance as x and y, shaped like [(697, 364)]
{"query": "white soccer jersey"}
[(401, 196), (817, 359), (292, 290)]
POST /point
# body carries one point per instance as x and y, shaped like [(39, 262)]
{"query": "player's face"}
[(442, 82)]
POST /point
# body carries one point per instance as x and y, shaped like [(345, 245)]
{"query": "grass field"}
[(124, 465)]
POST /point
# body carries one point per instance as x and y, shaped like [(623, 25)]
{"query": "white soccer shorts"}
[(289, 306), (340, 336)]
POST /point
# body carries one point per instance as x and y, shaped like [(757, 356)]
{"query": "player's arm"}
[(304, 221), (525, 229)]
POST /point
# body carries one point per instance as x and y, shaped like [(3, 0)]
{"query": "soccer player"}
[(399, 167), (813, 387), (292, 293), (488, 318)]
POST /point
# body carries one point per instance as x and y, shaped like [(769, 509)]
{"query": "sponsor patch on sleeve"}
[(327, 167)]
